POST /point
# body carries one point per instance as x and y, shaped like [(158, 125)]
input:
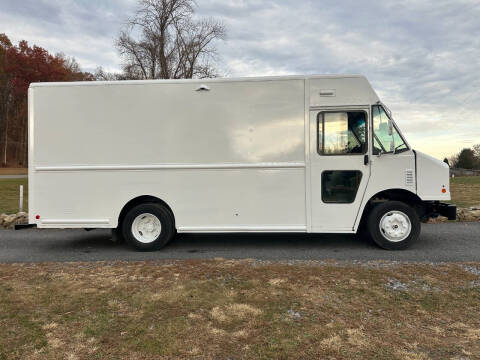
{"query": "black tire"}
[(161, 213), (362, 232), (381, 237)]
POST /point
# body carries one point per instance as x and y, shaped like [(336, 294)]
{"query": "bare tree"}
[(476, 150), (163, 41), (101, 75)]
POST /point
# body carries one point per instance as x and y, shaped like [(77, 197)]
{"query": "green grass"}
[(465, 191), (467, 180), (9, 195)]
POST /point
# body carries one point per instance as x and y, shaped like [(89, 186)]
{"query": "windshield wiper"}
[(379, 143), (401, 150)]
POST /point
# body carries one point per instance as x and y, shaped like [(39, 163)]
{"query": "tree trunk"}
[(5, 138)]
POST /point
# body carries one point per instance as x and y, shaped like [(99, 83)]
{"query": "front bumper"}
[(437, 208)]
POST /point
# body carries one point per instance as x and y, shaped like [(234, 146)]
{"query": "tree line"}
[(162, 40), (466, 159), (21, 65)]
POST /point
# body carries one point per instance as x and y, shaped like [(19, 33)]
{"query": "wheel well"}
[(402, 195), (141, 200)]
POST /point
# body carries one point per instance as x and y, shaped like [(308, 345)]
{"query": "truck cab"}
[(364, 174)]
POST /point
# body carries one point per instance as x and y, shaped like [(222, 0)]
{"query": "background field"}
[(9, 195), (13, 171), (465, 192)]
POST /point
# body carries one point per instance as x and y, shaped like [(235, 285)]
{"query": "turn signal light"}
[(444, 190)]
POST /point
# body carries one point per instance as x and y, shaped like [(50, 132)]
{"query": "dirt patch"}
[(276, 282), (13, 171)]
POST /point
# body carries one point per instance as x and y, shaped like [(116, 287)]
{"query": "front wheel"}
[(148, 226), (393, 225)]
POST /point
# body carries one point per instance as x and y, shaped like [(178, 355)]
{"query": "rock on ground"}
[(9, 221), (463, 214)]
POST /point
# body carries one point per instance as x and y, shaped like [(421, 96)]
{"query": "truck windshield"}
[(381, 139)]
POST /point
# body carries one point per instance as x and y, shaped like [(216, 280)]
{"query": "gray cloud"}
[(421, 56), (84, 29), (31, 9)]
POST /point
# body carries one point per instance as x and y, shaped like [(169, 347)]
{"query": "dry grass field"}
[(13, 171), (465, 191), (239, 310), (9, 195)]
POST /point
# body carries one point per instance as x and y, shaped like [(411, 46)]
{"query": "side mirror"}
[(390, 133), (390, 127)]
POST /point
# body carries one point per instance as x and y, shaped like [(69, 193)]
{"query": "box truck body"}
[(298, 153)]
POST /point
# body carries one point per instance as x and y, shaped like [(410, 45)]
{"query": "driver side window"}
[(342, 133)]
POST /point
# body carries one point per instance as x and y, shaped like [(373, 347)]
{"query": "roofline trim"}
[(192, 81)]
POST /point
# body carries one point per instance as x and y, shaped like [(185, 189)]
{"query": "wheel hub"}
[(395, 226), (146, 228)]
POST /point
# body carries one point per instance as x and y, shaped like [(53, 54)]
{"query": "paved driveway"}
[(438, 243)]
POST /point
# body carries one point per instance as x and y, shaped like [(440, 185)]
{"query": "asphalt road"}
[(438, 243)]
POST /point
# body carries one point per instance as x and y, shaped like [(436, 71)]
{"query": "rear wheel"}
[(148, 226), (393, 225)]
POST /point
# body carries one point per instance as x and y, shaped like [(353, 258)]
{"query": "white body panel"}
[(433, 176), (238, 157)]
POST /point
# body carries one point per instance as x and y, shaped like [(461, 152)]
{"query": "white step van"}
[(316, 154)]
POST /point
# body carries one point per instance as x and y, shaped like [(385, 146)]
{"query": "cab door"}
[(340, 166)]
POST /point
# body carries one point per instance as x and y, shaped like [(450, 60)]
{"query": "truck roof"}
[(210, 80)]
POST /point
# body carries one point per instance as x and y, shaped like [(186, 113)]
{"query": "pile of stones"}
[(463, 214), (9, 221), (469, 214)]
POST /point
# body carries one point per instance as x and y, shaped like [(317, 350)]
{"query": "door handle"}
[(365, 160)]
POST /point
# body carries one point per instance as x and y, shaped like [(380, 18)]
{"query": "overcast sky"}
[(422, 57)]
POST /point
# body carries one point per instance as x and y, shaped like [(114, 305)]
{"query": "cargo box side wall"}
[(231, 158)]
